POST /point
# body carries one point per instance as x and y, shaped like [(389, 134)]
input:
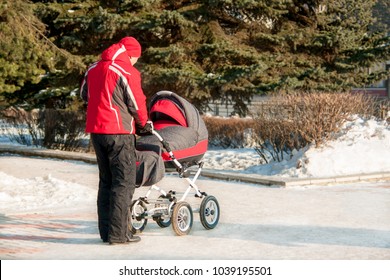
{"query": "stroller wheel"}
[(209, 212), (182, 218), (136, 220), (163, 223)]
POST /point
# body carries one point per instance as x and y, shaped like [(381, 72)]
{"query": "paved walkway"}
[(215, 174), (343, 222), (336, 222)]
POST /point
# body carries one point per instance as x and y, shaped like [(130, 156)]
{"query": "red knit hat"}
[(132, 46)]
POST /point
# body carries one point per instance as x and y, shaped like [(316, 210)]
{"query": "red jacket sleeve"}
[(137, 101)]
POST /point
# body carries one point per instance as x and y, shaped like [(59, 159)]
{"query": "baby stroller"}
[(178, 144)]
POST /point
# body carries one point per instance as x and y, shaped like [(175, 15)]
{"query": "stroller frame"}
[(168, 209)]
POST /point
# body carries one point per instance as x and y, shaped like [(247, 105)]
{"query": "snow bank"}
[(41, 193), (362, 146)]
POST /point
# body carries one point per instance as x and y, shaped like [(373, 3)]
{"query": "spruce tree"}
[(34, 72), (224, 49)]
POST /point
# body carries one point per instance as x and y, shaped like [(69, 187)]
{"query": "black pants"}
[(117, 170)]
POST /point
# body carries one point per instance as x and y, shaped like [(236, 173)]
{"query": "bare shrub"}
[(23, 126), (64, 130), (293, 121), (278, 141), (54, 129), (383, 109), (230, 132)]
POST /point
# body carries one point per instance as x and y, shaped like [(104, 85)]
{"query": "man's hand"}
[(147, 129)]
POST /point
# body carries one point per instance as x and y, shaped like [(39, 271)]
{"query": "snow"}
[(48, 207), (362, 146), (40, 193)]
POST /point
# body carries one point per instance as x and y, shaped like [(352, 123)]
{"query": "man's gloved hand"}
[(147, 129)]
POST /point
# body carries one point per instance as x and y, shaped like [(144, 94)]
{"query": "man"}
[(116, 111)]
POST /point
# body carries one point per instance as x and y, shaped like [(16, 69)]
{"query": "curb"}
[(290, 182), (214, 174), (47, 153)]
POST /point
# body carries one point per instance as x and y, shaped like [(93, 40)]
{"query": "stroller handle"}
[(179, 166), (154, 132)]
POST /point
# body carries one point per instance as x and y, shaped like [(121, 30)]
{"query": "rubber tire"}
[(182, 218), (209, 206), (139, 228), (163, 223)]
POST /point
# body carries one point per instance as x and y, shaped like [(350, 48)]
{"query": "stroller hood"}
[(180, 124), (179, 109)]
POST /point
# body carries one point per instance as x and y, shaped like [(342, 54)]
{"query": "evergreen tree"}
[(226, 49), (34, 72)]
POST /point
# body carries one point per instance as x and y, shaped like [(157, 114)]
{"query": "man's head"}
[(132, 46)]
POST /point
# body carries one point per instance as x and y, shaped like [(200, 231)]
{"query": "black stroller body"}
[(178, 144)]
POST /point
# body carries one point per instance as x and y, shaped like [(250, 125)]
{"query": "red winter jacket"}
[(112, 88)]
